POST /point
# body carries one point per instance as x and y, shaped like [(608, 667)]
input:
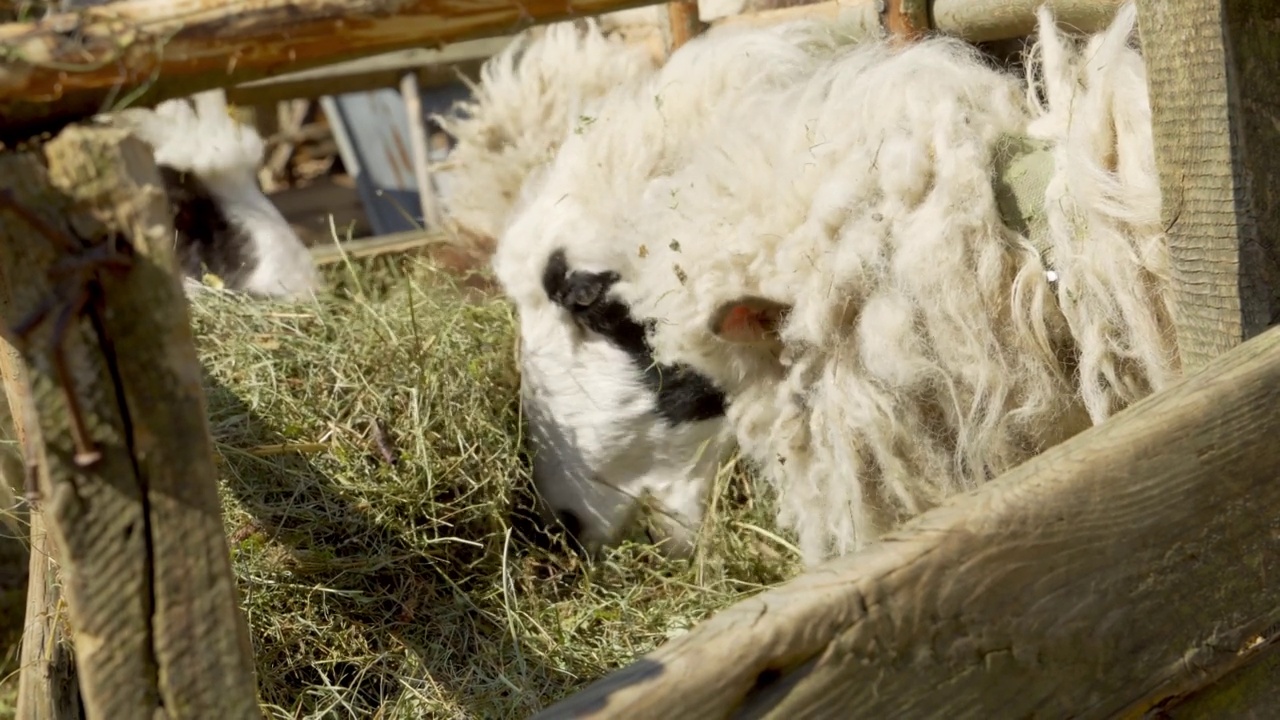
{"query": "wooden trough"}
[(1131, 571)]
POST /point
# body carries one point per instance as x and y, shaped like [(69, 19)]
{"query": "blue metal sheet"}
[(372, 134)]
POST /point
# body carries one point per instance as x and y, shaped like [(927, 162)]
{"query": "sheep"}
[(224, 224), (794, 242)]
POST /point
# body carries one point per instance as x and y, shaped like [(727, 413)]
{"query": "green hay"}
[(421, 589)]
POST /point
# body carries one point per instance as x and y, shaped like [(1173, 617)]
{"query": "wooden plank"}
[(47, 687), (683, 23), (127, 472), (72, 65), (972, 20), (420, 152), (433, 68), (1248, 693), (1135, 562), (1211, 70)]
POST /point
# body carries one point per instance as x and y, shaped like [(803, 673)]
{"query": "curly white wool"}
[(926, 349), (529, 97)]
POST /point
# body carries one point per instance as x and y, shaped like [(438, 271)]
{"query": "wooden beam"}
[(47, 685), (972, 20), (139, 51), (1135, 562), (1211, 71), (433, 68), (126, 467)]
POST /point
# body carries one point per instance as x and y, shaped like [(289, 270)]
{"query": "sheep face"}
[(609, 427)]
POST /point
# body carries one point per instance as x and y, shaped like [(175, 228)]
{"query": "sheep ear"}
[(749, 319)]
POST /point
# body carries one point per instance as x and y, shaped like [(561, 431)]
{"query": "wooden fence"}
[(1132, 569)]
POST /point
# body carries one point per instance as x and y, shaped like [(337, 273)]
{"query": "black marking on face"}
[(207, 242), (684, 394)]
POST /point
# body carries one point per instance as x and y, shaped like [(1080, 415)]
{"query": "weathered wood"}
[(1137, 561), (128, 491), (1251, 692), (683, 23), (433, 68), (1211, 72), (47, 687), (419, 151), (72, 65), (906, 19), (972, 20), (47, 684)]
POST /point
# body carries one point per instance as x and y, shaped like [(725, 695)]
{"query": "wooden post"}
[(420, 151), (47, 685), (1130, 565), (126, 466), (683, 23), (1211, 71)]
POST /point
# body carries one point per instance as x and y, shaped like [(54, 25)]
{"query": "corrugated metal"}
[(372, 134)]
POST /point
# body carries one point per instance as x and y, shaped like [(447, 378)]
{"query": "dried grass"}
[(423, 588)]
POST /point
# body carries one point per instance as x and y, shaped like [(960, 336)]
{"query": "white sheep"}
[(795, 242), (606, 438), (224, 224)]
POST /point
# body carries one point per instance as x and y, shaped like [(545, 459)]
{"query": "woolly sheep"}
[(224, 223), (793, 241)]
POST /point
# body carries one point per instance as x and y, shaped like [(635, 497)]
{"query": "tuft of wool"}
[(530, 96), (1102, 209)]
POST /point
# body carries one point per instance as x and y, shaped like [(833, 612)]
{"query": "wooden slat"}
[(972, 20), (144, 564), (1135, 562), (72, 65), (1212, 68), (433, 68)]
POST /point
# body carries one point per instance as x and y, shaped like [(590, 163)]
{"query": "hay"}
[(421, 588)]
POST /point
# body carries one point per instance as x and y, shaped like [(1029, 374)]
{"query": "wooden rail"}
[(1126, 567), (115, 421), (73, 65), (140, 52), (432, 67)]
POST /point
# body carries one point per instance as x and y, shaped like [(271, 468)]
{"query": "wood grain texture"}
[(433, 68), (95, 518), (683, 23), (988, 20), (1212, 68), (1251, 692), (972, 20), (1138, 561), (47, 687), (144, 563), (73, 65)]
